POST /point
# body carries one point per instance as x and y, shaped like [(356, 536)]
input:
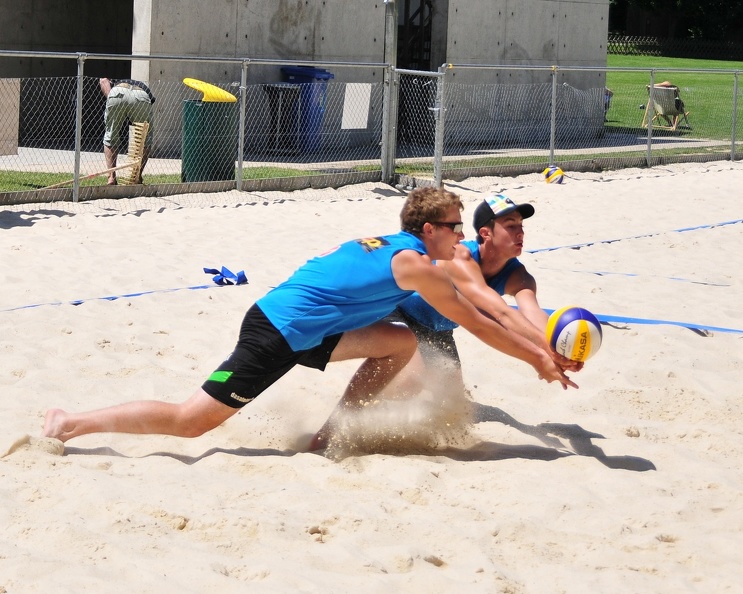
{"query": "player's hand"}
[(549, 371), (564, 363)]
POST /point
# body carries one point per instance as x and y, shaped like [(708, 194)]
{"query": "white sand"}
[(523, 507)]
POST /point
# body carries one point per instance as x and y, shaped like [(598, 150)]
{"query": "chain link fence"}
[(568, 120), (408, 128), (301, 130), (626, 45)]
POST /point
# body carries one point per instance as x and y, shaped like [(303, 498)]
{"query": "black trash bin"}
[(283, 101), (209, 141), (312, 99), (416, 120)]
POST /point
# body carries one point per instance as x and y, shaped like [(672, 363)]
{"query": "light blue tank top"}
[(417, 308), (348, 287)]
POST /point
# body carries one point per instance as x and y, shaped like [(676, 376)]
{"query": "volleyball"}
[(553, 175), (574, 333)]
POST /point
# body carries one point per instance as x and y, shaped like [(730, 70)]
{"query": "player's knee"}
[(188, 426), (404, 340), (193, 430)]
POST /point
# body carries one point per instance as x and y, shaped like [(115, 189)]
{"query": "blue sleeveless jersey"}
[(417, 308), (348, 287)]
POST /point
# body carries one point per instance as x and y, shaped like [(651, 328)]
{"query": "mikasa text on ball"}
[(574, 333)]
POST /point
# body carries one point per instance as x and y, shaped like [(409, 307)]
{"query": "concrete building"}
[(429, 34)]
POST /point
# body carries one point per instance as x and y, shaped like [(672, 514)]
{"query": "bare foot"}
[(111, 181), (54, 425)]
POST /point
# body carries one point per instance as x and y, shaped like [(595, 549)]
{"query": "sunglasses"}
[(455, 227)]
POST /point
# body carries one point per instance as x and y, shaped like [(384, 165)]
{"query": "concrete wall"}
[(64, 26), (518, 32), (10, 104), (526, 32), (566, 32), (294, 30), (440, 32), (529, 32), (291, 30), (465, 31)]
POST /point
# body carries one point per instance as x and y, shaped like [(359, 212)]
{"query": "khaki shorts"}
[(122, 106)]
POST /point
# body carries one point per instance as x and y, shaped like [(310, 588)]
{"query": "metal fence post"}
[(241, 132), (735, 116), (389, 124), (553, 116), (650, 105), (78, 126), (439, 111), (389, 107)]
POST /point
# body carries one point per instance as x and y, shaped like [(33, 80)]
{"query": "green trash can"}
[(209, 141)]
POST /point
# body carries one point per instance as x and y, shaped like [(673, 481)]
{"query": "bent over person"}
[(128, 101), (482, 270), (329, 310)]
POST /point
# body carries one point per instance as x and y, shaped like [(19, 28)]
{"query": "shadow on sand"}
[(552, 435)]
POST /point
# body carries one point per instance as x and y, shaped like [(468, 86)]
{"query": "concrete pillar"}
[(10, 99)]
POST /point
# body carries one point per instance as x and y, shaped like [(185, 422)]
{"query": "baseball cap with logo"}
[(496, 206)]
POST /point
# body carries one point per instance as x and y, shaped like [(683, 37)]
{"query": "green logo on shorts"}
[(220, 376)]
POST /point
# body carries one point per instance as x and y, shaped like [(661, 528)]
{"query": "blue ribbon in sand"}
[(227, 277)]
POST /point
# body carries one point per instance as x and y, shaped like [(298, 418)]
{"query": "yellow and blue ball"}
[(553, 175), (574, 333)]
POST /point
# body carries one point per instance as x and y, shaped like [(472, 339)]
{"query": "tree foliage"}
[(697, 19)]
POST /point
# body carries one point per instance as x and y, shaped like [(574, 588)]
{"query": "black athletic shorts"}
[(261, 357), (432, 344)]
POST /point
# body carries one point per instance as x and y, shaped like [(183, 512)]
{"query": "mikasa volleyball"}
[(553, 175), (574, 333)]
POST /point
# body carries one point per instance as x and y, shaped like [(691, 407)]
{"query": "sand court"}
[(632, 483)]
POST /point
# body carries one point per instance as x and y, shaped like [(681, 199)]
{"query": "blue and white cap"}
[(496, 206)]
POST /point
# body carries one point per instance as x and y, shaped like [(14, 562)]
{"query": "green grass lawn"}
[(21, 181), (708, 97)]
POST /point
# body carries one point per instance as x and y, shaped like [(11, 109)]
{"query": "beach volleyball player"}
[(329, 310), (482, 270)]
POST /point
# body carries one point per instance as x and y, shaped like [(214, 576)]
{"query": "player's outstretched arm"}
[(467, 277), (415, 272)]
